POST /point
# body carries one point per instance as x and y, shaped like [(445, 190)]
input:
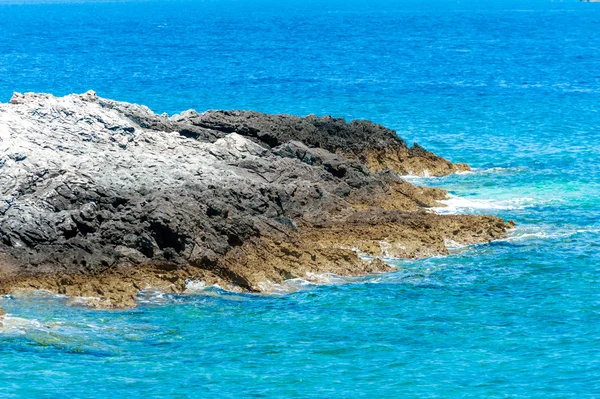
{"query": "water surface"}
[(512, 88)]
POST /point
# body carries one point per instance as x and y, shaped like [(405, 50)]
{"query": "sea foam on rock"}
[(103, 199)]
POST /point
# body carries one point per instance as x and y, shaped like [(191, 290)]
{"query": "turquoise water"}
[(512, 88)]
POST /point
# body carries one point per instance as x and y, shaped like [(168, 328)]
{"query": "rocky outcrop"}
[(375, 146), (102, 199)]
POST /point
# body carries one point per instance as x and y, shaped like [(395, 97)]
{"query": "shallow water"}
[(512, 88)]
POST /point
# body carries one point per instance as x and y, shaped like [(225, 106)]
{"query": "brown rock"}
[(113, 199)]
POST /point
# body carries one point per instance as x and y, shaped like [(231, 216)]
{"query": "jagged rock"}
[(100, 198)]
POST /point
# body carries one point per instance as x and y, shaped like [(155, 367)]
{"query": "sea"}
[(510, 87)]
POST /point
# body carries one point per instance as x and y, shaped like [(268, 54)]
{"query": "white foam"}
[(456, 204), (300, 284), (327, 278), (476, 171), (413, 178), (200, 287), (427, 176), (286, 287), (453, 245), (12, 325), (500, 170), (82, 300), (194, 286), (524, 234)]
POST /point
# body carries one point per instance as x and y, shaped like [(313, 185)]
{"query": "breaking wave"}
[(455, 204)]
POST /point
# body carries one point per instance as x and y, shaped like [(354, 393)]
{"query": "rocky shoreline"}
[(102, 199)]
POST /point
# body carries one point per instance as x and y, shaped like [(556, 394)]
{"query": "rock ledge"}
[(103, 199)]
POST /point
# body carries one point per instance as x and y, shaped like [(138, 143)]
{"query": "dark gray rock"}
[(88, 185), (87, 181)]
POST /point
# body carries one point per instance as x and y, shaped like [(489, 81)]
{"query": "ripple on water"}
[(516, 318)]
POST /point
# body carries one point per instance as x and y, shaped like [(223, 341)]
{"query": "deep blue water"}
[(510, 87)]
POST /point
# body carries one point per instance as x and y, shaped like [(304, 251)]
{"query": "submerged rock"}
[(103, 199)]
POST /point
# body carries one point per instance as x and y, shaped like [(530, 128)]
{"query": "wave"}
[(455, 204), (474, 171), (520, 234), (500, 170), (286, 287), (267, 287), (527, 233), (453, 245), (17, 325), (427, 176), (310, 281), (197, 286)]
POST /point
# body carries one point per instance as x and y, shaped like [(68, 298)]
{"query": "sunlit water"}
[(512, 88)]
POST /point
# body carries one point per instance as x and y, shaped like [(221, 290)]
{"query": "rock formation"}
[(103, 199)]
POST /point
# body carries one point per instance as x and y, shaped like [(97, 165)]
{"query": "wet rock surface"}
[(103, 199)]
